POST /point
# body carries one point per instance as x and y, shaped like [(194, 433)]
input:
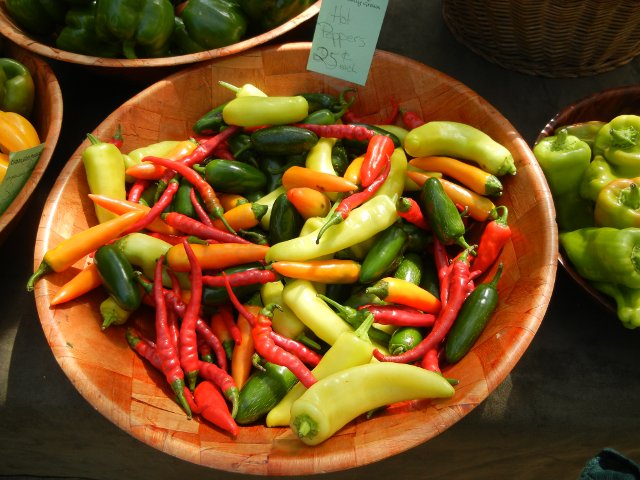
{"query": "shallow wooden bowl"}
[(148, 68), (602, 106), (130, 394), (46, 117)]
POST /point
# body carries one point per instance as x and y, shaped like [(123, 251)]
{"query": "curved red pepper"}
[(496, 234)]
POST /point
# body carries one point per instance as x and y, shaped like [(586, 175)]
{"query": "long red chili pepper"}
[(340, 131), (390, 119), (223, 334), (267, 348), (431, 361), (200, 211), (409, 209), (411, 119), (494, 237), (188, 342), (157, 208), (143, 347), (177, 239), (227, 318), (204, 331), (458, 290), (167, 351), (300, 350), (209, 402), (117, 139), (241, 279), (224, 381), (191, 226), (204, 350), (400, 315), (442, 262), (206, 191), (353, 201), (379, 149), (136, 190)]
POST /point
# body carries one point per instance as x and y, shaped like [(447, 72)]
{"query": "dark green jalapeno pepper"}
[(384, 255), (118, 277), (242, 150), (286, 222), (410, 268), (283, 140), (262, 391), (472, 318), (182, 200), (211, 122), (417, 238), (444, 217), (339, 158), (320, 101), (429, 279), (273, 168), (232, 176)]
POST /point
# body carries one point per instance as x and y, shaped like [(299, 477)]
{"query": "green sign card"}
[(345, 38), (21, 164)]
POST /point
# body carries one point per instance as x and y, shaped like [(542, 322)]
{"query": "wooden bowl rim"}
[(14, 33), (319, 459), (48, 93)]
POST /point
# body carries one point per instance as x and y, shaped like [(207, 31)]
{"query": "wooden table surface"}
[(573, 393)]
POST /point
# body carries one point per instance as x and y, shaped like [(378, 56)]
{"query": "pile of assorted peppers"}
[(148, 28), (17, 96), (293, 254), (593, 170)]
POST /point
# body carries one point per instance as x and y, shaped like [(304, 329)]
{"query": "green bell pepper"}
[(619, 142), (564, 158), (596, 176), (268, 14), (79, 34), (585, 131), (627, 302), (17, 90), (38, 17), (618, 204), (143, 26), (605, 254), (212, 24)]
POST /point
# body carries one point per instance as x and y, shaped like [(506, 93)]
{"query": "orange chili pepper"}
[(84, 281), (396, 290), (242, 217), (216, 256), (352, 173), (120, 207), (72, 249), (242, 357), (4, 165), (220, 330), (324, 271), (230, 200), (309, 202), (297, 176), (149, 171), (479, 207)]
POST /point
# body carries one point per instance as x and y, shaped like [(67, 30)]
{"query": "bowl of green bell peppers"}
[(590, 155), (149, 34)]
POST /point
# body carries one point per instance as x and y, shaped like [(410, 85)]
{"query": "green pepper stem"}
[(93, 139), (218, 212), (178, 389), (231, 87), (624, 137), (363, 330), (42, 269), (309, 342), (343, 311), (496, 277), (233, 395), (560, 139), (630, 196), (334, 219)]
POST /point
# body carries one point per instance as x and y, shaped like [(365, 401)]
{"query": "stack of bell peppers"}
[(593, 170), (17, 94), (148, 28), (284, 248)]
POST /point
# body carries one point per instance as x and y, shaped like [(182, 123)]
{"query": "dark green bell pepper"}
[(605, 254), (268, 14), (37, 17), (214, 23), (17, 90), (564, 158), (79, 34), (143, 26), (619, 142)]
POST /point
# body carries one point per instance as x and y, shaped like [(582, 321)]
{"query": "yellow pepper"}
[(16, 133)]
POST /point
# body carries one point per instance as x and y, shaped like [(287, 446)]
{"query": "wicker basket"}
[(552, 38)]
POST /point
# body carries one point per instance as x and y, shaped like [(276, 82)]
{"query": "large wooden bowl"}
[(154, 68), (130, 394), (47, 118), (601, 106)]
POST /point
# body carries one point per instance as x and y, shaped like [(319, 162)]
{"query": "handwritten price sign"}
[(345, 38)]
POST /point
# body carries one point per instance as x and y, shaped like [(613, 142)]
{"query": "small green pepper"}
[(232, 176), (443, 215), (79, 34), (283, 140), (112, 313), (618, 204), (410, 268), (144, 27), (564, 158), (17, 90), (385, 254), (462, 141), (404, 338), (286, 221), (118, 277), (214, 23), (210, 122), (605, 254), (619, 142)]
